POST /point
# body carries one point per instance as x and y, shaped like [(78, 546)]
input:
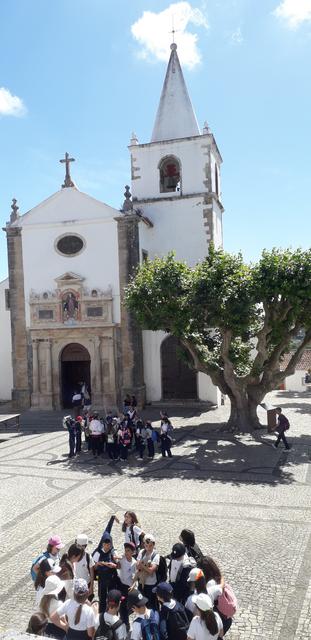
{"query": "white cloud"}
[(153, 31), (237, 37), (294, 12), (10, 105)]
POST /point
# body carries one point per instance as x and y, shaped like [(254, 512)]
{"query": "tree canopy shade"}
[(237, 320)]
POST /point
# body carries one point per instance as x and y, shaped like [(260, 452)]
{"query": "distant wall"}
[(6, 372)]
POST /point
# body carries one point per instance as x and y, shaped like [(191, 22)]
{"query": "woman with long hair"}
[(207, 625), (215, 585), (132, 530), (46, 568), (49, 603), (81, 617), (37, 624)]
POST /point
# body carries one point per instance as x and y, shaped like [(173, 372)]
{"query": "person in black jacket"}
[(193, 550), (174, 622), (179, 569)]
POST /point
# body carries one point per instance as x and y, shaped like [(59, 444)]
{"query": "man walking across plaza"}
[(282, 426)]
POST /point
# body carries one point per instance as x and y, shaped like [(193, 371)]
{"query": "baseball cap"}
[(82, 539), (114, 596), (55, 541), (80, 586), (53, 586), (163, 587), (130, 544), (195, 574), (149, 537), (136, 599), (202, 601), (178, 550)]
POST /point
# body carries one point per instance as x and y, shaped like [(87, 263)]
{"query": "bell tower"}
[(176, 176)]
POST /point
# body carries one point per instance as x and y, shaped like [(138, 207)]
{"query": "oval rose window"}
[(70, 245)]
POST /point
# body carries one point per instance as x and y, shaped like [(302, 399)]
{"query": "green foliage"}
[(224, 296)]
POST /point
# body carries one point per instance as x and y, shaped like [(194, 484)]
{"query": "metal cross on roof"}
[(67, 182)]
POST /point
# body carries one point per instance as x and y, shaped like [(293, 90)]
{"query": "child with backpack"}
[(52, 553), (174, 622), (109, 625), (207, 624), (165, 436), (179, 569), (146, 622), (124, 439), (152, 437), (106, 567), (282, 426), (84, 568), (141, 435), (126, 572), (148, 561)]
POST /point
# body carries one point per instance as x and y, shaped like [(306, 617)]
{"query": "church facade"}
[(62, 315)]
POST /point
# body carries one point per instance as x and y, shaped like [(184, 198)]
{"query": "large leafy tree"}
[(235, 320)]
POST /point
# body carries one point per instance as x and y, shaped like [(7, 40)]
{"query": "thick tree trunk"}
[(243, 414)]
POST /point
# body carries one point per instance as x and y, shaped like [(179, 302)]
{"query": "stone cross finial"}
[(14, 213), (67, 182), (127, 204), (206, 128)]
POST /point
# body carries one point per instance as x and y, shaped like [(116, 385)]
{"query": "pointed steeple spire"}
[(175, 116)]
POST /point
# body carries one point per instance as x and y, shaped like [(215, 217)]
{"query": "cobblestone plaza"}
[(249, 505)]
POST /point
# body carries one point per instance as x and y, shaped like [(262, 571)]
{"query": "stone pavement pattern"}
[(249, 505)]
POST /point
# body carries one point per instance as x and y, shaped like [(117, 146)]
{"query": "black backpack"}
[(177, 621), (107, 631), (161, 572)]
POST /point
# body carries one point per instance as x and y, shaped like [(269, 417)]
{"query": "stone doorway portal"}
[(75, 368), (178, 380)]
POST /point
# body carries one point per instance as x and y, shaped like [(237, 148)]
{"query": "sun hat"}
[(82, 539), (149, 537), (202, 601), (55, 541), (195, 574), (53, 586), (80, 586)]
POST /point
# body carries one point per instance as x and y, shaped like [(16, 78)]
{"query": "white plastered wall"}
[(296, 382), (6, 371), (71, 211)]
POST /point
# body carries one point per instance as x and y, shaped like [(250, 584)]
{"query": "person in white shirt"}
[(132, 530), (81, 617), (49, 603), (126, 571), (84, 568), (207, 625), (137, 604), (110, 619), (96, 430), (148, 561), (198, 584)]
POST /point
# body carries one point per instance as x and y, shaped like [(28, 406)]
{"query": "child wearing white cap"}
[(207, 625), (49, 603), (81, 617), (84, 568)]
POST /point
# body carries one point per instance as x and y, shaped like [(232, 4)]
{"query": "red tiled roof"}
[(303, 364)]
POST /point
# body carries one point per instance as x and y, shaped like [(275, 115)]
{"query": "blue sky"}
[(81, 75)]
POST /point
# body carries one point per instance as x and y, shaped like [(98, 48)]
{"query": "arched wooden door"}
[(178, 380), (75, 368)]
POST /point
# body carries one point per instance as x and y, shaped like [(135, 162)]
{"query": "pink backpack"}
[(227, 603)]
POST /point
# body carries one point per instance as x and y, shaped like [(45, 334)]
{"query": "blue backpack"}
[(150, 626), (34, 562)]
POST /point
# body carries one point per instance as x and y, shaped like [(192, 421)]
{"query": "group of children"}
[(118, 435), (142, 595)]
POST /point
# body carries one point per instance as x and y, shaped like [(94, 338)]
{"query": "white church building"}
[(62, 316)]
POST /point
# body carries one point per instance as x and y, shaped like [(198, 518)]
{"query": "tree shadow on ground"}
[(202, 456)]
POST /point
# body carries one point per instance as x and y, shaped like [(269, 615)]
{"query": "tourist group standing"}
[(141, 594), (115, 436)]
